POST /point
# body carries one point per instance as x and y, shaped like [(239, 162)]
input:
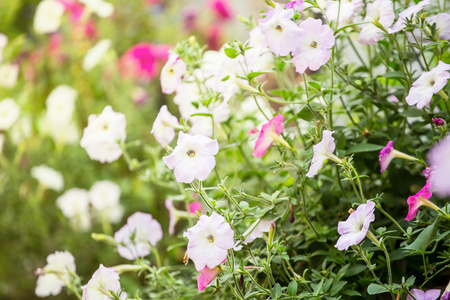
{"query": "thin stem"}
[(392, 219)]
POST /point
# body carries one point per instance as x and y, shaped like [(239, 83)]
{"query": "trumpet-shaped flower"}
[(407, 14), (388, 153), (313, 46), (47, 18), (322, 152), (9, 112), (270, 132), (258, 232), (207, 275), (355, 228), (54, 275), (427, 84), (105, 199), (133, 238), (164, 126), (419, 199), (297, 5), (281, 33), (383, 12), (104, 285), (193, 157), (172, 73), (209, 241), (48, 177), (446, 293), (439, 158), (421, 295)]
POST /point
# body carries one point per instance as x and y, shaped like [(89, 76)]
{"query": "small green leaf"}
[(292, 288), (364, 147), (424, 238), (314, 85), (231, 53), (276, 292), (374, 289), (254, 74), (412, 112)]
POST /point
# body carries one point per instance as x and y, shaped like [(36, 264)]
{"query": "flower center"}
[(314, 44), (279, 28), (210, 238), (171, 71), (191, 153), (105, 127)]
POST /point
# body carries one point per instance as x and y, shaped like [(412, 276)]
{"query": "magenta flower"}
[(322, 152), (383, 12), (427, 84), (193, 157), (270, 132), (281, 33), (388, 153), (209, 241), (407, 14), (221, 9), (195, 206), (207, 275), (438, 121), (421, 295), (313, 46), (297, 5), (355, 228), (419, 199), (439, 158)]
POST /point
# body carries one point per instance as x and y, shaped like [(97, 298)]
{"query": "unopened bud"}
[(99, 237), (438, 121), (292, 217), (351, 210), (192, 41), (168, 148), (241, 280), (185, 259), (423, 16), (379, 25), (270, 3), (271, 233)]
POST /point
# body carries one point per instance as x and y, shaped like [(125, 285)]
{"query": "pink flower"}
[(419, 199), (135, 237), (388, 153), (258, 232), (322, 152), (407, 14), (269, 133), (297, 5), (345, 8), (103, 284), (439, 158), (442, 22), (207, 275), (392, 99), (281, 33), (438, 121), (195, 206), (355, 228), (427, 84), (313, 47), (193, 157), (221, 9), (383, 12), (172, 73), (421, 295), (164, 126), (209, 241)]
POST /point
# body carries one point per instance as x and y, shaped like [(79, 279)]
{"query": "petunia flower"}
[(421, 295), (8, 75), (104, 196), (297, 5), (135, 237), (172, 73), (427, 84), (47, 18), (195, 206), (164, 126), (313, 46), (74, 204), (446, 293), (9, 113), (388, 153), (102, 8), (355, 228), (48, 177), (104, 285), (207, 275), (95, 54), (281, 33), (438, 121), (322, 152), (53, 277), (439, 158), (419, 199), (442, 22), (209, 241), (258, 232), (345, 8), (269, 133), (383, 12), (192, 158), (407, 14)]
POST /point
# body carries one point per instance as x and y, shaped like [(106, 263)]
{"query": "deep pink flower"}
[(388, 153), (195, 206), (270, 132), (213, 36), (207, 275), (438, 121), (419, 199), (421, 295), (221, 9)]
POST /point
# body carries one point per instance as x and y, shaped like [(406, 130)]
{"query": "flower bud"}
[(292, 217), (270, 3), (438, 121)]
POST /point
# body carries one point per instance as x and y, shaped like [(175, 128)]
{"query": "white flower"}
[(172, 73), (102, 8), (383, 12), (442, 22), (258, 232), (345, 8), (186, 93), (105, 198), (55, 273), (135, 237), (103, 134), (21, 130), (61, 104), (322, 152), (8, 75), (103, 283), (407, 14), (202, 125), (9, 112), (48, 177), (74, 204), (95, 54), (47, 18), (209, 241), (164, 126), (3, 43), (193, 157)]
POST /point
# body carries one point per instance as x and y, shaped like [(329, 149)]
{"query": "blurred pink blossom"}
[(269, 133), (221, 9)]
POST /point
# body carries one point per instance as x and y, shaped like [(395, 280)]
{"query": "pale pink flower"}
[(270, 132), (172, 73), (345, 8), (322, 152), (442, 22), (209, 241), (258, 232), (419, 199), (427, 84), (392, 99), (135, 237), (104, 285), (407, 14), (439, 158), (296, 5), (355, 228), (207, 275), (313, 47), (192, 158), (164, 126), (281, 33), (421, 295), (383, 12), (388, 153)]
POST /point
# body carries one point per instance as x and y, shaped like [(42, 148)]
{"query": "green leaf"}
[(364, 147), (254, 74), (394, 75), (314, 85), (355, 269), (351, 293), (337, 286), (374, 289), (341, 273), (276, 291), (231, 52), (424, 238), (292, 288), (412, 112)]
